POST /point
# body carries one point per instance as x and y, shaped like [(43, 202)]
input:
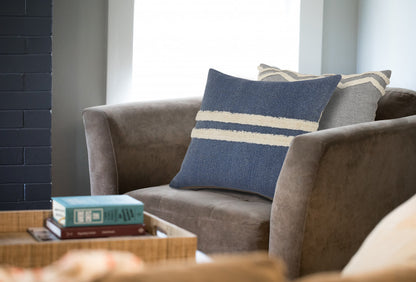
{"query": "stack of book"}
[(96, 216)]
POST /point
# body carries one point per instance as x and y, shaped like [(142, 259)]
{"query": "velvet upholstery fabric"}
[(334, 187), (224, 221), (335, 184), (396, 103), (137, 145)]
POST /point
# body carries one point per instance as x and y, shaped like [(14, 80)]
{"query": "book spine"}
[(95, 231), (115, 215), (58, 211)]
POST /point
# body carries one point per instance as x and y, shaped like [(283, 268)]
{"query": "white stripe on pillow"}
[(242, 136), (257, 120), (293, 76), (373, 81)]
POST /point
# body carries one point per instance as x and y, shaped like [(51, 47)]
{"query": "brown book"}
[(93, 231)]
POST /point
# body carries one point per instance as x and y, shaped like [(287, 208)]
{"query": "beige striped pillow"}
[(354, 100)]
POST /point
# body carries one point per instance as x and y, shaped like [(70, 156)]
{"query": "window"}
[(176, 42)]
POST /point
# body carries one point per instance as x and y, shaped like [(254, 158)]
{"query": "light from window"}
[(176, 42)]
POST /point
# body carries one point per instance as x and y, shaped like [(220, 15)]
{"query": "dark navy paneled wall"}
[(25, 104)]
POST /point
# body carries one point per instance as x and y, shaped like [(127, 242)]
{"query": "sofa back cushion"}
[(354, 100), (396, 103)]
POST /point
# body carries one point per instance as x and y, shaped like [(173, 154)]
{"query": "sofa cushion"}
[(391, 243), (354, 100), (244, 129), (396, 103), (224, 221)]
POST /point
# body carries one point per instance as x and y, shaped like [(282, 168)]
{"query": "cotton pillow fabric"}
[(354, 100), (244, 128), (392, 243)]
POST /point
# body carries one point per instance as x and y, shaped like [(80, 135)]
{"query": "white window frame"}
[(120, 46)]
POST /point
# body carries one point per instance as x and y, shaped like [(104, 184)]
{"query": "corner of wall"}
[(119, 50), (310, 36), (328, 36), (339, 38)]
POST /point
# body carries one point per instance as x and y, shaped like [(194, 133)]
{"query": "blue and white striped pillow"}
[(244, 129)]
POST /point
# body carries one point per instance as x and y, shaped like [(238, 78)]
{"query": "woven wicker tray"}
[(19, 248)]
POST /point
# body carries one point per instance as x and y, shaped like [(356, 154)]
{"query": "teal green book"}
[(97, 210)]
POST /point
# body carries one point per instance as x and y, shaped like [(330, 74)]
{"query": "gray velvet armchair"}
[(334, 187)]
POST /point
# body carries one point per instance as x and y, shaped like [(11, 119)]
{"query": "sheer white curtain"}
[(176, 41)]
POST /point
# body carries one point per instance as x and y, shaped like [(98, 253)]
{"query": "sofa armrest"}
[(249, 267), (335, 186), (136, 145)]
